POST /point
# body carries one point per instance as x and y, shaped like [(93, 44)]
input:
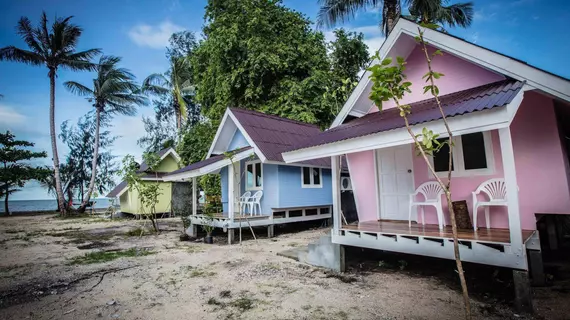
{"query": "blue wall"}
[(238, 141), (281, 184), (292, 194)]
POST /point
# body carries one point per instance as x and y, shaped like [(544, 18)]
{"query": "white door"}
[(396, 181)]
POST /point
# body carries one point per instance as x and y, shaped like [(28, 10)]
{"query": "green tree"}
[(14, 173), (253, 53), (349, 54), (333, 12), (54, 48), (80, 139), (176, 86), (114, 92)]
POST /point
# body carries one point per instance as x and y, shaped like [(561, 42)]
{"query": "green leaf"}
[(386, 61)]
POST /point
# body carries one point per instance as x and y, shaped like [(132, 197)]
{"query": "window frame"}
[(253, 163), (311, 178), (459, 161)]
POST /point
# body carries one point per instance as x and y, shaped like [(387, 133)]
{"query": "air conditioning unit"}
[(345, 184)]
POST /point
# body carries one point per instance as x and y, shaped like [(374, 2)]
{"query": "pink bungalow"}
[(508, 123)]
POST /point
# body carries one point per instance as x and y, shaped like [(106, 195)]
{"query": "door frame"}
[(377, 178)]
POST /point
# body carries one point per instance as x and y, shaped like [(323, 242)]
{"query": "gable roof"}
[(162, 154), (489, 96), (401, 41), (268, 135), (120, 188)]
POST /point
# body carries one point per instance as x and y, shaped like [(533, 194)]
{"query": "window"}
[(472, 155), (311, 177), (254, 176)]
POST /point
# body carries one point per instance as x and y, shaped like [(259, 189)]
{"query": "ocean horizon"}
[(46, 205)]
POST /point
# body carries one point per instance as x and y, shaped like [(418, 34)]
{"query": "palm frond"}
[(77, 88), (458, 14), (157, 84), (80, 61), (12, 53), (28, 33), (332, 12)]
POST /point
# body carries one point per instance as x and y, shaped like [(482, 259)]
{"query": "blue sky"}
[(535, 31)]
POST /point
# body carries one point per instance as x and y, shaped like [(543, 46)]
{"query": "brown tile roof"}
[(497, 94), (274, 135), (203, 163)]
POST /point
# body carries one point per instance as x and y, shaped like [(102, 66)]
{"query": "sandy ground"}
[(192, 280)]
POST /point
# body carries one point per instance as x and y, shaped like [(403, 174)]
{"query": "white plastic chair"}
[(255, 202), (432, 193), (496, 191), (243, 201)]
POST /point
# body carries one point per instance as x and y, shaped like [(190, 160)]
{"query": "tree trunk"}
[(390, 15), (6, 209), (94, 163), (58, 189)]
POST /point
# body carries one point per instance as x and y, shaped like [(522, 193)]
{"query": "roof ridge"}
[(271, 116)]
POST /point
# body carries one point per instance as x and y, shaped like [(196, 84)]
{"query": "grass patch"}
[(106, 256), (196, 273)]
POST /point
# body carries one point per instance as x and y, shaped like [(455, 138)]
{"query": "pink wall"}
[(458, 75), (361, 168), (540, 159)]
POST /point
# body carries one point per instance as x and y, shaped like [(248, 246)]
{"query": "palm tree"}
[(427, 11), (177, 83), (54, 48), (458, 14), (114, 92)]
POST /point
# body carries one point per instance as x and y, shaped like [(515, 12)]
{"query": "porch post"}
[(194, 196), (336, 211), (512, 190), (231, 192)]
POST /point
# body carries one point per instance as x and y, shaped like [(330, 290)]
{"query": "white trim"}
[(209, 168), (194, 196), (459, 160), (172, 152), (311, 185), (377, 183), (510, 174), (253, 163), (472, 122), (336, 209), (218, 132), (120, 193), (483, 57), (294, 164), (235, 121), (421, 245)]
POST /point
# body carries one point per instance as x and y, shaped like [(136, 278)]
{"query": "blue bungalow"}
[(246, 152)]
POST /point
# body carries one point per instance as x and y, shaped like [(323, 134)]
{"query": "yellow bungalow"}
[(129, 200)]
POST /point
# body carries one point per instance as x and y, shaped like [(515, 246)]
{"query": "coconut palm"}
[(427, 11), (177, 83), (114, 92), (54, 48)]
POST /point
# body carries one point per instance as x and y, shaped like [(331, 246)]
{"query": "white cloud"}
[(10, 117), (483, 15), (155, 37)]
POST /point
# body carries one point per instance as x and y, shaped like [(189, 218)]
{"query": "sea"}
[(46, 205)]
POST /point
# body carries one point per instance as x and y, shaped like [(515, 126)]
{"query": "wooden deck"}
[(240, 216), (492, 235)]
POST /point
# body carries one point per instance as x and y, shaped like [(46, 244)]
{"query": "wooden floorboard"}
[(239, 216), (401, 228)]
